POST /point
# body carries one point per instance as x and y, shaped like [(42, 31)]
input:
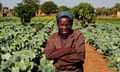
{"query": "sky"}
[(69, 3)]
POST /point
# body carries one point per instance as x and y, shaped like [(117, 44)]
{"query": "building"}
[(118, 14)]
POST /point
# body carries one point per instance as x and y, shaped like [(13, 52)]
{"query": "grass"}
[(9, 18), (108, 20), (43, 19), (103, 20)]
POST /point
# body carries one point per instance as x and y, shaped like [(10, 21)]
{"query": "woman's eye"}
[(64, 24)]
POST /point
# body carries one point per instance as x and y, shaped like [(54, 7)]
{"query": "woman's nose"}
[(64, 27)]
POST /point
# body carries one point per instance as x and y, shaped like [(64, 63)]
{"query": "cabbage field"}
[(22, 46)]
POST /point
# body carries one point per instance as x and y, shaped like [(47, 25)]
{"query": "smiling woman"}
[(64, 22), (64, 26), (66, 47)]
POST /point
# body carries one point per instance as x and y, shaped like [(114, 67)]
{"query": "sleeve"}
[(78, 55), (52, 53)]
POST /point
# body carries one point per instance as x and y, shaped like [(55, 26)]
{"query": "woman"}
[(67, 46)]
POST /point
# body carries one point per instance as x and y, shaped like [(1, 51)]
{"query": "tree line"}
[(84, 12)]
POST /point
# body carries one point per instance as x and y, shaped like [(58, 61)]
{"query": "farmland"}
[(22, 46), (111, 20), (99, 20)]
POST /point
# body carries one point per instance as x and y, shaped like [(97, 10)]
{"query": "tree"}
[(114, 11), (31, 1), (49, 7), (117, 6), (103, 11), (63, 8), (85, 13), (26, 10), (0, 6)]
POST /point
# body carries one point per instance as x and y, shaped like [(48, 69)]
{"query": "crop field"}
[(22, 46), (103, 20), (108, 20)]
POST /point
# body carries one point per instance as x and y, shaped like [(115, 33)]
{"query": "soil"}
[(95, 62)]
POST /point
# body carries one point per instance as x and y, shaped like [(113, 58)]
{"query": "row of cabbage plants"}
[(105, 38), (22, 47)]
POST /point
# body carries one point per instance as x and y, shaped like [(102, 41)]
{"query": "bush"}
[(7, 19)]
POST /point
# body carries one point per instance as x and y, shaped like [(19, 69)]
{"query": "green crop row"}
[(108, 20), (9, 19), (21, 47), (105, 38), (43, 19)]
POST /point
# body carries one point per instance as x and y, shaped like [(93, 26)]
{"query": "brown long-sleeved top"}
[(66, 56)]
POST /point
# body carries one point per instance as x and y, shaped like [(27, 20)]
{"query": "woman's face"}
[(64, 26)]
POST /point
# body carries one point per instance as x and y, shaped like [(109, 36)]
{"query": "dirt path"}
[(95, 62)]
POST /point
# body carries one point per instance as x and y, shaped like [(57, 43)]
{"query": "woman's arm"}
[(52, 53), (78, 55)]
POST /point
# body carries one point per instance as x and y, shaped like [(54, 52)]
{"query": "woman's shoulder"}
[(77, 32), (54, 35)]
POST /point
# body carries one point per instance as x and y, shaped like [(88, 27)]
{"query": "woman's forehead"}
[(65, 18)]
